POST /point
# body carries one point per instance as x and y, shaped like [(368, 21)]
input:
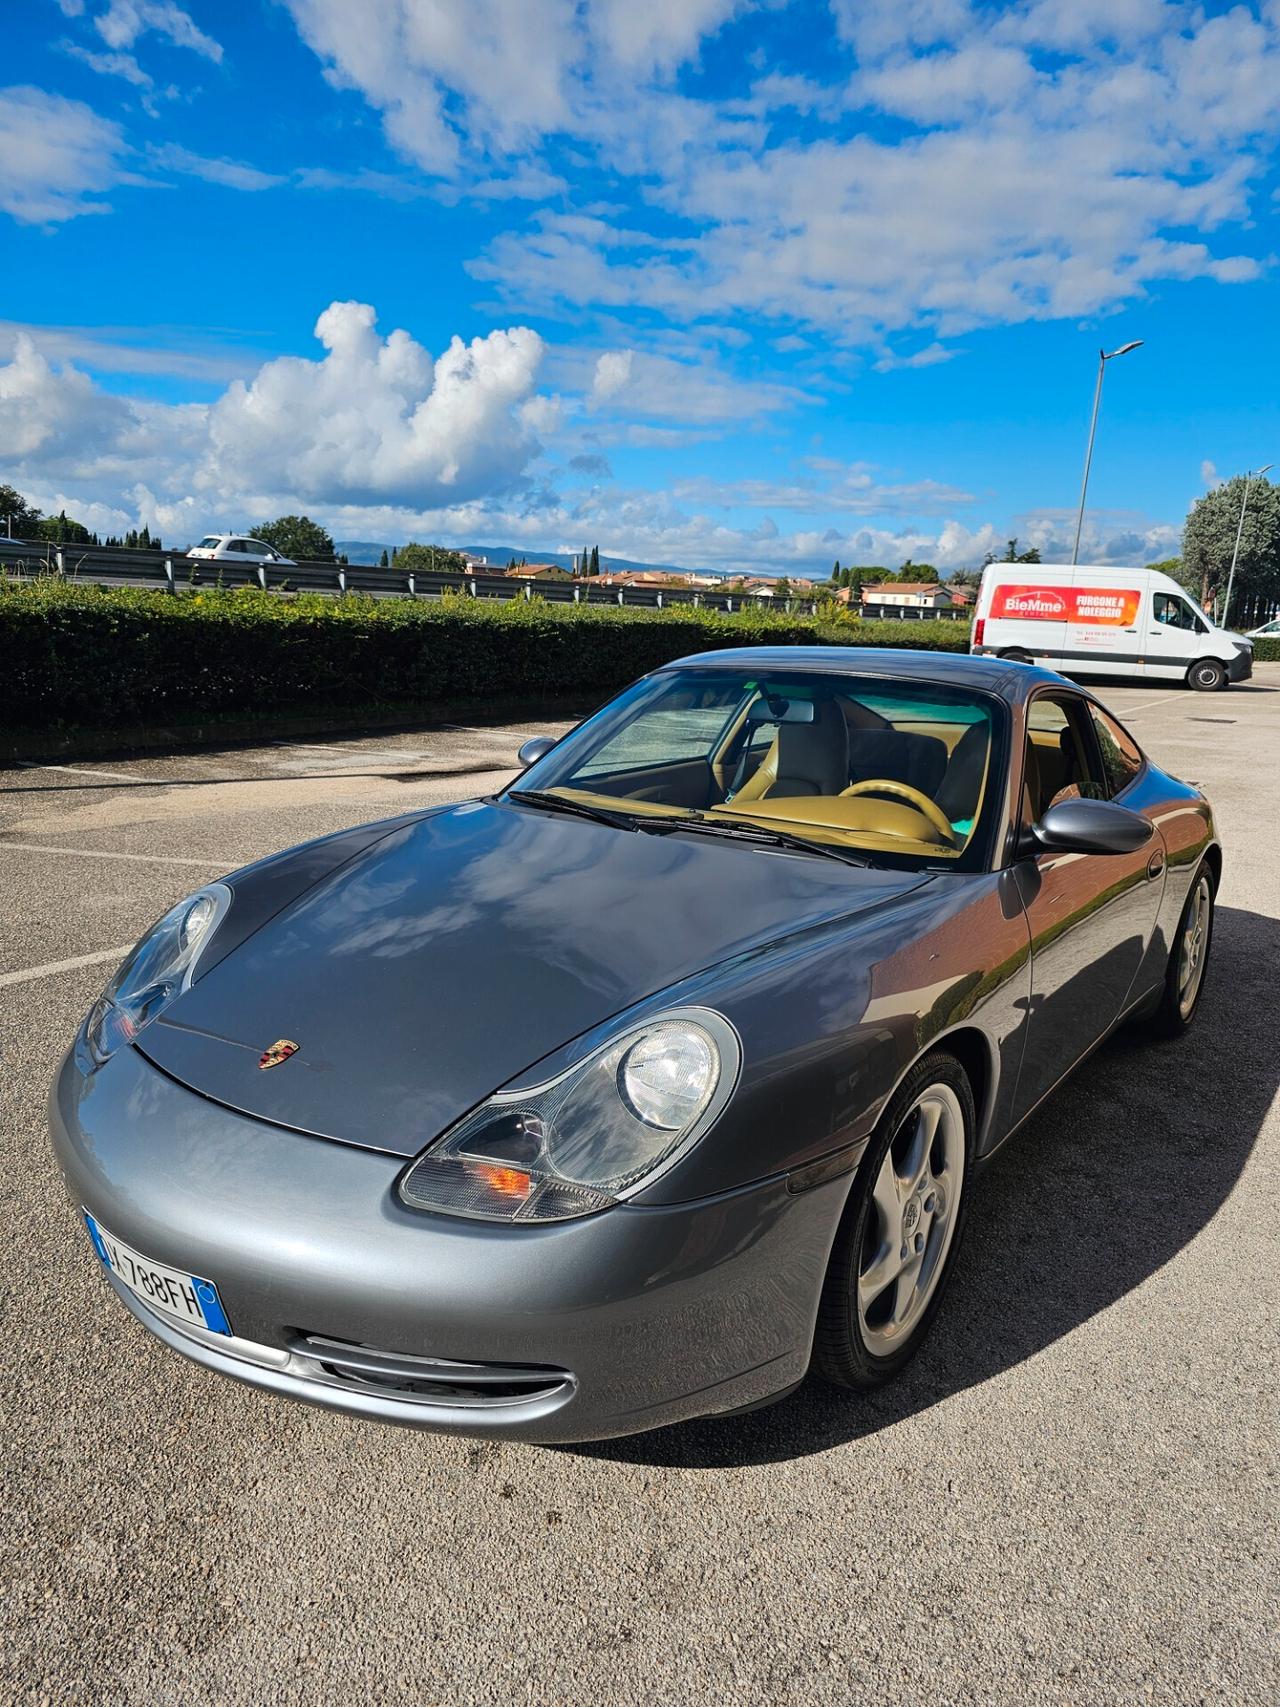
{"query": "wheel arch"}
[(976, 1053), (1213, 859)]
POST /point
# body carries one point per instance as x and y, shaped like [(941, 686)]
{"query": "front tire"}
[(1207, 675), (1184, 979), (900, 1230)]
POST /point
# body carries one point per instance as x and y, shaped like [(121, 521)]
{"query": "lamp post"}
[(1244, 504), (1104, 356)]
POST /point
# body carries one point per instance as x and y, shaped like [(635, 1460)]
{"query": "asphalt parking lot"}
[(1073, 1496)]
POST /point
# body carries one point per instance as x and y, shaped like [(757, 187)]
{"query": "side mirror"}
[(534, 749), (1089, 826)]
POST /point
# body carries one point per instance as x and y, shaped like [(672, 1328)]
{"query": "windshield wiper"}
[(764, 835), (575, 808)]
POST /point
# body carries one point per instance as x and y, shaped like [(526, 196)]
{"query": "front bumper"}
[(339, 1295), (1240, 668)]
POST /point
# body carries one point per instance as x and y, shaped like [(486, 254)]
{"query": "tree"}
[(63, 530), (835, 576), (437, 558), (595, 559), (782, 587), (18, 519), (916, 572), (1178, 571), (382, 561), (584, 562), (297, 537), (964, 578), (1208, 540), (1013, 555)]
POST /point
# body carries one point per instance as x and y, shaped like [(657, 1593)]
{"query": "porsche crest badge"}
[(277, 1053)]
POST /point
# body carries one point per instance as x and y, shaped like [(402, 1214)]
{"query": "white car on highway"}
[(238, 548)]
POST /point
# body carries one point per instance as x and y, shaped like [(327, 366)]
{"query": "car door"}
[(1091, 915), (1172, 641)]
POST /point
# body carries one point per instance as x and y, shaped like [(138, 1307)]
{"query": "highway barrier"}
[(112, 566)]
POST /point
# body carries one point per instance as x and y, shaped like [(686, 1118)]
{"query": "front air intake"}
[(431, 1380)]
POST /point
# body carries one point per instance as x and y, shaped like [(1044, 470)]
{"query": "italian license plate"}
[(186, 1297)]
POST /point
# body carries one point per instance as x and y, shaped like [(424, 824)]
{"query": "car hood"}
[(462, 948)]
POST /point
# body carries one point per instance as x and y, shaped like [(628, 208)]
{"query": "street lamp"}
[(1244, 504), (1104, 356)]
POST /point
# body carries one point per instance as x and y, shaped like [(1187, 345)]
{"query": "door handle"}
[(1155, 865)]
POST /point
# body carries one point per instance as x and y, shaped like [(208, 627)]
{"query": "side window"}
[(1121, 759), (1062, 761), (1175, 613)]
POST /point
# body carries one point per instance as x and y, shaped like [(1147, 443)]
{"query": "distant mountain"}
[(369, 551)]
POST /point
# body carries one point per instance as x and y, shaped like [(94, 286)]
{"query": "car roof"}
[(958, 669)]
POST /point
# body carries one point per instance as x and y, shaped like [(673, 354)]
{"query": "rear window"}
[(209, 541)]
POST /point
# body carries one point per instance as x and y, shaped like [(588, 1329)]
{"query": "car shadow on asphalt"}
[(1120, 1170)]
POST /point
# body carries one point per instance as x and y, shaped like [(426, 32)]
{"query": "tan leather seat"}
[(918, 760), (961, 789), (805, 758)]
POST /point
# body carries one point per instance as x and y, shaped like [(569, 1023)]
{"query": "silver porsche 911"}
[(637, 1090)]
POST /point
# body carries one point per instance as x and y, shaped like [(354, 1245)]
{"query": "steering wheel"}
[(912, 796)]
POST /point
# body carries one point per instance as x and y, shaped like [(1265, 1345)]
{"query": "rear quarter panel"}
[(1184, 819)]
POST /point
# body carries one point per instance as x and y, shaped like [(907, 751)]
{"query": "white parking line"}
[(48, 970), (76, 770), (100, 853), (1165, 699)]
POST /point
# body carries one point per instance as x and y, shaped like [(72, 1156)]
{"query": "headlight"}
[(159, 969), (590, 1137)]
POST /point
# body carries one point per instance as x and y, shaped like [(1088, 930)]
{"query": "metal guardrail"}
[(114, 566)]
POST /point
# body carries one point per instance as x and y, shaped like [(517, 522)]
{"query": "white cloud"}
[(175, 352), (55, 155), (124, 21), (1208, 474), (832, 488), (1049, 159), (379, 416), (231, 174), (110, 64), (461, 85), (613, 371), (376, 417)]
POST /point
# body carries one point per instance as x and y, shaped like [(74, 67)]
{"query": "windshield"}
[(209, 540), (899, 770)]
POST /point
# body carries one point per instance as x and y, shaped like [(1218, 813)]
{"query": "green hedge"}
[(119, 657), (1266, 650)]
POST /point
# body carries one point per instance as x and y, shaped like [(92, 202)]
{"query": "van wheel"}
[(1207, 676), (1015, 657)]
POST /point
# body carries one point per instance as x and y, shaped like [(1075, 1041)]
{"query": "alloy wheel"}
[(1193, 948), (915, 1204)]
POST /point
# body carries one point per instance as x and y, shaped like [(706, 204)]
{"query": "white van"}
[(1090, 621)]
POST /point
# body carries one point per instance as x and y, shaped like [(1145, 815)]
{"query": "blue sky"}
[(709, 282)]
